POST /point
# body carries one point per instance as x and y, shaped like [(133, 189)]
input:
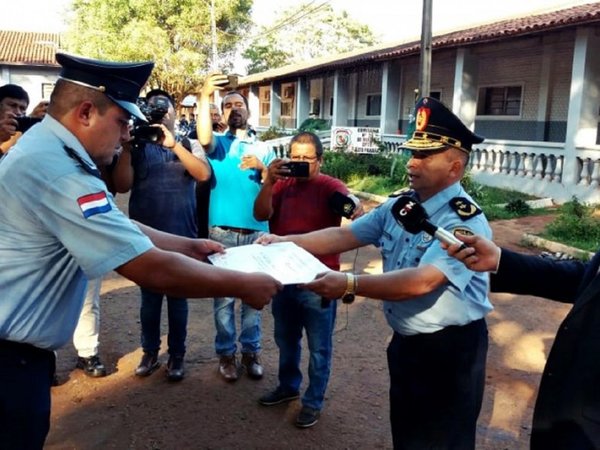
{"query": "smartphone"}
[(24, 123), (298, 169), (232, 82)]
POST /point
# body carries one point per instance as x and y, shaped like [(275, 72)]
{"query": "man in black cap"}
[(435, 307), (59, 226)]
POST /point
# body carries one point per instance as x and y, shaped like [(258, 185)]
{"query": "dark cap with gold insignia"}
[(437, 127), (121, 82)]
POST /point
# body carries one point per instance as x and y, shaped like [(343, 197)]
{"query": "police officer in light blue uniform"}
[(59, 226), (434, 305)]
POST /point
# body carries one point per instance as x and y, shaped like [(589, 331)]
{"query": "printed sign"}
[(355, 139)]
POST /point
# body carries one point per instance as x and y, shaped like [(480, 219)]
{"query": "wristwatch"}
[(348, 295)]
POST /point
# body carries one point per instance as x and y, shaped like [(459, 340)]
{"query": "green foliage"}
[(175, 34), (518, 206), (576, 226), (305, 32), (314, 125), (273, 132)]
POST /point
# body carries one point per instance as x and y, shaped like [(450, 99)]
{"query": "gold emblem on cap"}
[(422, 118)]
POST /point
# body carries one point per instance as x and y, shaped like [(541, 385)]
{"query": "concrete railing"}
[(538, 168)]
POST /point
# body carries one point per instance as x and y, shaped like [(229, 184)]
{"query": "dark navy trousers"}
[(26, 374), (436, 387)]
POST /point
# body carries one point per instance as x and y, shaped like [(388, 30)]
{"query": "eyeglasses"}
[(310, 159)]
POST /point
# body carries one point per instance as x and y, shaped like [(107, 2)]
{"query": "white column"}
[(390, 97), (464, 100), (341, 95), (254, 104), (275, 104), (582, 118), (302, 100)]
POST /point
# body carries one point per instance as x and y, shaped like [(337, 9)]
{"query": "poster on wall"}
[(355, 139)]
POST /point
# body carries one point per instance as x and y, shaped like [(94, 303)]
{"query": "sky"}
[(390, 20)]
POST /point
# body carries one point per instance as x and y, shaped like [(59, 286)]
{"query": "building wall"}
[(520, 62)]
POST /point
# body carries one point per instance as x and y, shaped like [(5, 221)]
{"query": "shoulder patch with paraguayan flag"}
[(93, 204)]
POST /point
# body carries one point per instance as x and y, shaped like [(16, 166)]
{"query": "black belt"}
[(237, 230), (22, 348)]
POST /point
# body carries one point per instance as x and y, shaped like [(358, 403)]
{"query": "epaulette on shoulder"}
[(403, 191), (464, 207)]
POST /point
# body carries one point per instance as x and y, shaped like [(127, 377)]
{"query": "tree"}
[(304, 33), (175, 34)]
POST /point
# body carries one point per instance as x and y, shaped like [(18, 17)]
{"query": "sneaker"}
[(307, 417), (148, 364), (175, 371), (251, 363), (278, 396), (229, 368), (91, 366)]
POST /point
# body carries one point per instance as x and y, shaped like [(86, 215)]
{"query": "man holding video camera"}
[(14, 101), (161, 172), (239, 162), (297, 198)]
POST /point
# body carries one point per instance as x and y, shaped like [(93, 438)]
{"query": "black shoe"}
[(252, 365), (175, 370), (307, 417), (148, 364), (278, 396), (91, 366)]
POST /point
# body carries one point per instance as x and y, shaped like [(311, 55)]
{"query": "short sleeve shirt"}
[(462, 299), (59, 225), (234, 190)]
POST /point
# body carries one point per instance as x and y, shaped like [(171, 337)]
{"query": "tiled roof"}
[(570, 17), (28, 48)]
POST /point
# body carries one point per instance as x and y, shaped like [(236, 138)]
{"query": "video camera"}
[(24, 123), (142, 132)]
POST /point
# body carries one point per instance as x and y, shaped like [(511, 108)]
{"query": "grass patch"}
[(575, 226)]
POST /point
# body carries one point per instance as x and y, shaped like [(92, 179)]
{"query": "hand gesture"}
[(267, 239), (260, 289), (329, 285), (8, 126), (481, 254), (201, 248), (214, 82)]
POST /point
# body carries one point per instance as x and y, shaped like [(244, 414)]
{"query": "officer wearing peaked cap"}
[(435, 307), (60, 226), (121, 82), (436, 128)]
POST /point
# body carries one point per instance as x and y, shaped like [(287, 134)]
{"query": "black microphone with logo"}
[(409, 213)]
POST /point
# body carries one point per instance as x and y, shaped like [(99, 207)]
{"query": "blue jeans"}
[(150, 317), (224, 307), (294, 309)]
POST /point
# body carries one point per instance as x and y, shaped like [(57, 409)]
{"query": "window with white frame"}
[(373, 104), (500, 101)]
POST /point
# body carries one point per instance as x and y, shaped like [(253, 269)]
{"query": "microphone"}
[(409, 213)]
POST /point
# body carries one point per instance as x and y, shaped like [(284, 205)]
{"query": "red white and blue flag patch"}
[(93, 204)]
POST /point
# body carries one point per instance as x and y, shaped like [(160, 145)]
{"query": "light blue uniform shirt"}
[(59, 225), (462, 300), (234, 190)]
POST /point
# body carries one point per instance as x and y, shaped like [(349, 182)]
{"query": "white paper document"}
[(284, 261)]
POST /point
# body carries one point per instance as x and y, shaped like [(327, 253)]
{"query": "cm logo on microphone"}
[(407, 208)]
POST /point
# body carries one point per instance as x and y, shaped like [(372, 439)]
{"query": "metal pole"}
[(425, 73)]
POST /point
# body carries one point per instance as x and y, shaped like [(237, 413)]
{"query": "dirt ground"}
[(122, 411)]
